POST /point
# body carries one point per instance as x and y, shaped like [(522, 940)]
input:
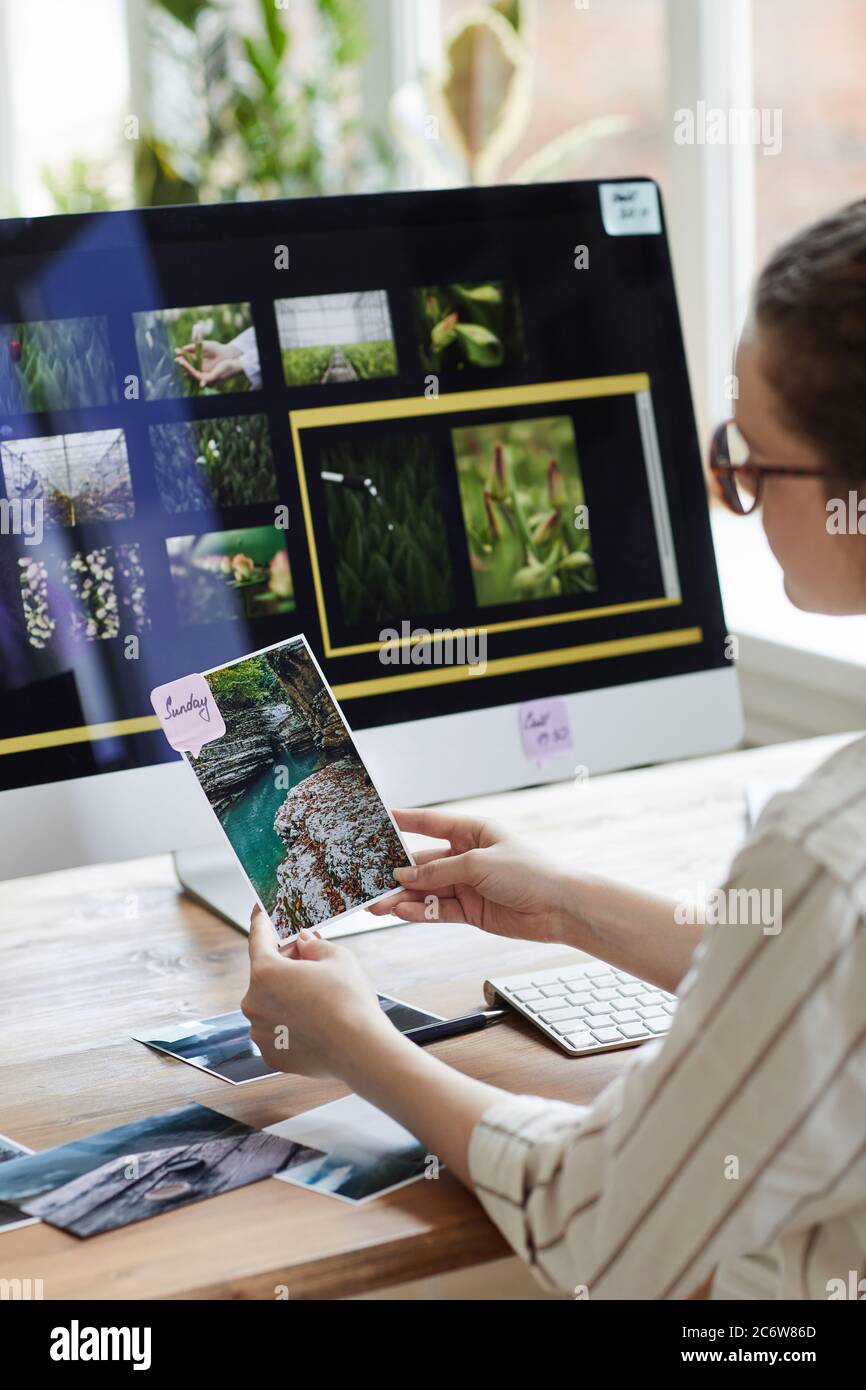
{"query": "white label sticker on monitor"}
[(630, 209)]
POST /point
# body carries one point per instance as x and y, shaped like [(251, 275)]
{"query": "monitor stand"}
[(211, 877)]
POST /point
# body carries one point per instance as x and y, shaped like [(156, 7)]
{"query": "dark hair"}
[(811, 298)]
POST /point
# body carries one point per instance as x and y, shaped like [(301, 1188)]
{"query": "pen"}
[(451, 1027)]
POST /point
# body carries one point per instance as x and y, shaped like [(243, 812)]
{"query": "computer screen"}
[(394, 423)]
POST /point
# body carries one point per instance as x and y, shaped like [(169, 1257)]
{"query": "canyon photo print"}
[(292, 794)]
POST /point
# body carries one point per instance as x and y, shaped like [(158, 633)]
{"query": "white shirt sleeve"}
[(249, 362), (721, 1137)]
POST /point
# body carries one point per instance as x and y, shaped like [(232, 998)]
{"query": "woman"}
[(739, 1141)]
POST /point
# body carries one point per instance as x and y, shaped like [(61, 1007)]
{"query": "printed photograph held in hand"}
[(292, 794)]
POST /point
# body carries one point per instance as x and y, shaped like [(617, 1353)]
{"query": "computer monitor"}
[(370, 419)]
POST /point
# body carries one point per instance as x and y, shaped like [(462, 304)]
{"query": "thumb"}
[(310, 946), (440, 873), (263, 939)]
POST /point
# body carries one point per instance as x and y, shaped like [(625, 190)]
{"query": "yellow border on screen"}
[(510, 665), (386, 685), (413, 407)]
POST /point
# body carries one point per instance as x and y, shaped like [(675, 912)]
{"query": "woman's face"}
[(825, 572)]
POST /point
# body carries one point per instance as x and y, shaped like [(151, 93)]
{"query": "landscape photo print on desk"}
[(291, 792), (153, 1165), (222, 1045), (11, 1217)]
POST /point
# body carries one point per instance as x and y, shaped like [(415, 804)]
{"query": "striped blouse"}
[(738, 1142)]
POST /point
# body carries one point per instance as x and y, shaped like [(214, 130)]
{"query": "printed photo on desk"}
[(12, 1217), (292, 794), (220, 1045), (142, 1169), (350, 1150)]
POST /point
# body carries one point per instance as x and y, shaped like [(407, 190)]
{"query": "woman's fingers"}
[(384, 905), (190, 370), (442, 873), (437, 824), (425, 856), (430, 908), (433, 906)]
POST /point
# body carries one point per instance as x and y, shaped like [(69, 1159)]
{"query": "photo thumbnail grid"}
[(219, 462)]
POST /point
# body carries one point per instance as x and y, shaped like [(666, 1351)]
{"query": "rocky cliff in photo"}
[(252, 741), (341, 846), (303, 687)]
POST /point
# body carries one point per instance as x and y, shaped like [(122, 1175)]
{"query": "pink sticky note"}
[(545, 728), (187, 711)]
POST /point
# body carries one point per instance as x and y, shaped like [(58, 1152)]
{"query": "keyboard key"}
[(551, 990), (526, 994), (568, 1025), (669, 1008), (606, 1035), (592, 970), (583, 998), (633, 1030), (655, 1012), (632, 990), (625, 1016), (648, 997), (658, 1025), (553, 1015), (535, 1006), (602, 994), (579, 1040), (596, 1008), (596, 1021), (574, 972)]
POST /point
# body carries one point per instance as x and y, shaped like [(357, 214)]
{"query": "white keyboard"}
[(587, 1008)]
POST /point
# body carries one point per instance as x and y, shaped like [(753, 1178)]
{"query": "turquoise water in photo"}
[(249, 821)]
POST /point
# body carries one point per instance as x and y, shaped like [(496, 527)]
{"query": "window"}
[(809, 63), (608, 60), (68, 95)]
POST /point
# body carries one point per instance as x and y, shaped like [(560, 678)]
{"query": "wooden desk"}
[(89, 955)]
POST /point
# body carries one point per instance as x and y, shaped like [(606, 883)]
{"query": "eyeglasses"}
[(741, 482)]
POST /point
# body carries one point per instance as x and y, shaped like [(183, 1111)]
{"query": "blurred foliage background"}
[(231, 116), (263, 99)]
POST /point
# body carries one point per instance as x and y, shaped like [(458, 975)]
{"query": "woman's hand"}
[(309, 1003), (483, 877), (219, 361)]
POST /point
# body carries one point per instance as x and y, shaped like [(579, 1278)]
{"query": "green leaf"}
[(480, 294), (277, 36), (444, 332), (482, 347), (262, 62), (185, 11)]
